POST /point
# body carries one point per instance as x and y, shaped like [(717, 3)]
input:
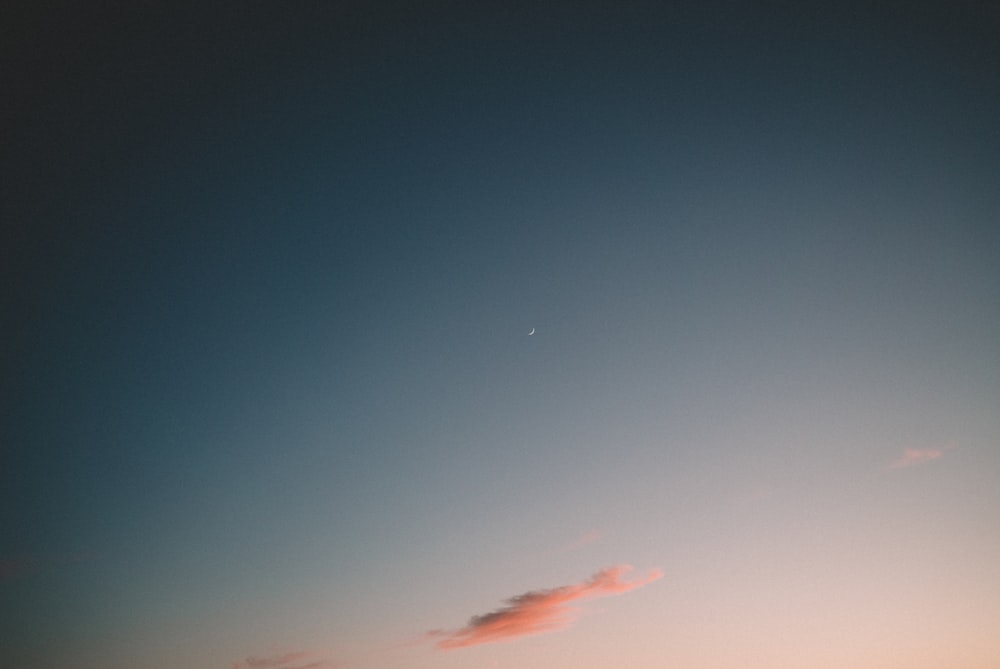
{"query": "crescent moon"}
[(532, 332)]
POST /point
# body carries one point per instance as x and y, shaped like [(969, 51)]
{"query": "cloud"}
[(918, 456), (588, 537), (291, 660), (539, 611)]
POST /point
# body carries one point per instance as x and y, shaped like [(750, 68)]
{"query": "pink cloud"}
[(917, 456), (539, 611), (291, 660)]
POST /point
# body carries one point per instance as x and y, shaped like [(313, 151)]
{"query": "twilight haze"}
[(271, 397)]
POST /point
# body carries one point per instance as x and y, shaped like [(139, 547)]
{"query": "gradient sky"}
[(269, 398)]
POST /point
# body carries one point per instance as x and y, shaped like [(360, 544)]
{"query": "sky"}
[(270, 393)]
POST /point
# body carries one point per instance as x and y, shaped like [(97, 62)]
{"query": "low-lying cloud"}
[(539, 611), (918, 456), (290, 660)]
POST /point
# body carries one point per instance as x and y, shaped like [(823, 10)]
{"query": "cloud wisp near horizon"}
[(301, 659), (539, 611), (919, 456)]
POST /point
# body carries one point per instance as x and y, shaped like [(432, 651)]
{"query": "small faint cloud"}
[(918, 456), (301, 659), (539, 611), (588, 537)]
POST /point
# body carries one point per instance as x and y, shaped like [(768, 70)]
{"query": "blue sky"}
[(272, 400)]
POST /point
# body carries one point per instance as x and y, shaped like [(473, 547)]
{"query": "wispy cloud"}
[(918, 456), (587, 537), (291, 660), (539, 611)]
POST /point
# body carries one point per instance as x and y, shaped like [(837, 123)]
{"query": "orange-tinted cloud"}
[(291, 660), (539, 610), (917, 456)]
